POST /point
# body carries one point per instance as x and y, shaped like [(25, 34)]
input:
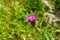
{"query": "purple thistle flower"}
[(31, 18)]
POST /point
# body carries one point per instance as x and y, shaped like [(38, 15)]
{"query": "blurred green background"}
[(13, 25)]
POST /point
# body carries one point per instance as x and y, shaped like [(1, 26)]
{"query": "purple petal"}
[(31, 18)]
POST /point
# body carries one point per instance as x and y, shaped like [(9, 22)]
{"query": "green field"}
[(13, 25)]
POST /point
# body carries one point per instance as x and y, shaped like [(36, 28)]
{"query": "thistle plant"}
[(32, 18)]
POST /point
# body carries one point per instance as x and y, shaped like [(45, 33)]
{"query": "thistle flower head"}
[(31, 18)]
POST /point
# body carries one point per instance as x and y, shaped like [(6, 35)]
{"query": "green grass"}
[(13, 23)]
